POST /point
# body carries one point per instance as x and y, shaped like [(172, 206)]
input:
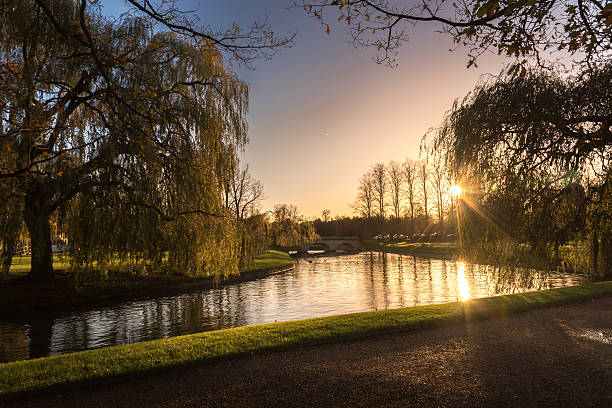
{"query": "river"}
[(317, 286)]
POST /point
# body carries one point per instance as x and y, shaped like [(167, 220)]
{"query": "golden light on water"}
[(462, 285), (455, 190)]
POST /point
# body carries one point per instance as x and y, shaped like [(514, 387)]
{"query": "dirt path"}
[(557, 357)]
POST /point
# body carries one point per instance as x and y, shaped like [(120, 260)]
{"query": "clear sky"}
[(322, 112)]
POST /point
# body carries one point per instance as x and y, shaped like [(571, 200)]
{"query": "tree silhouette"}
[(535, 151), (519, 29)]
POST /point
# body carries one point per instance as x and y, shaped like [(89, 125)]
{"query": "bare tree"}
[(325, 214), (379, 183), (246, 192), (394, 172), (423, 176), (409, 168), (438, 183), (364, 203), (286, 212)]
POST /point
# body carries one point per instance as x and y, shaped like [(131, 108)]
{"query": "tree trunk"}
[(606, 254), (11, 231), (36, 216), (595, 253), (6, 257)]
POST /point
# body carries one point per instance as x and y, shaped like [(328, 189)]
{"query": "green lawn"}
[(405, 247), (21, 264), (151, 356), (268, 260)]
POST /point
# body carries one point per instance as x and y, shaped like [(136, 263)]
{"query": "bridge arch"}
[(346, 246), (349, 243)]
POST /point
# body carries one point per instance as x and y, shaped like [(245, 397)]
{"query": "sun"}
[(455, 190)]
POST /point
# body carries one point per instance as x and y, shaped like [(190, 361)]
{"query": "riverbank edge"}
[(143, 290), (445, 257), (446, 253), (120, 362), (430, 255)]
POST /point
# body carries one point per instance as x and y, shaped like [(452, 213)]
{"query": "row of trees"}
[(413, 190)]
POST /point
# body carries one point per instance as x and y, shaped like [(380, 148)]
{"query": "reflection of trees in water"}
[(372, 292), (378, 289), (139, 321), (400, 281), (507, 279), (445, 269), (385, 281), (430, 281), (15, 343), (415, 280), (288, 295)]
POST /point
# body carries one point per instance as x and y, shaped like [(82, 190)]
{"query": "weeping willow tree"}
[(118, 128), (533, 154), (289, 229)]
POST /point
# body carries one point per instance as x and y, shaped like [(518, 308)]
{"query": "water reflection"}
[(325, 286), (462, 285)]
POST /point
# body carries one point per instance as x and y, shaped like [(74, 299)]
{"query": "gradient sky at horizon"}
[(322, 112)]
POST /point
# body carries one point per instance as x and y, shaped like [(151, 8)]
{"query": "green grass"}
[(136, 359), (269, 260), (21, 264), (405, 247)]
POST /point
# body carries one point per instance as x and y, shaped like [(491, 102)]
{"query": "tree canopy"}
[(534, 124), (517, 28), (534, 155), (119, 126)]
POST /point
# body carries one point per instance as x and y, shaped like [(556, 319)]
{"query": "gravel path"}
[(556, 357)]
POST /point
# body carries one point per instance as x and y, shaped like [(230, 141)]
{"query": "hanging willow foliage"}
[(120, 128), (534, 155), (162, 207)]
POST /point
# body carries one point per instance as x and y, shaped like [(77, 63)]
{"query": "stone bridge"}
[(335, 243)]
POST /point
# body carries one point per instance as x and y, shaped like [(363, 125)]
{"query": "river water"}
[(317, 286)]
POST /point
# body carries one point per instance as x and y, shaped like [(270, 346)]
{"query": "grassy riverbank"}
[(142, 358), (20, 265), (269, 260), (272, 259), (414, 248), (70, 287)]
